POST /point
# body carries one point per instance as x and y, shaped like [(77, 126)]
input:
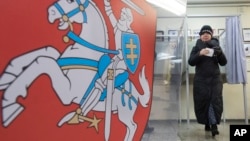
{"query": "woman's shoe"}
[(214, 130), (207, 127)]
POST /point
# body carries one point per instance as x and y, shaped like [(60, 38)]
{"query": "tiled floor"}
[(164, 117), (163, 131), (173, 131)]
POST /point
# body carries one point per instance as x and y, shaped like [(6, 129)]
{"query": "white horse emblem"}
[(83, 74)]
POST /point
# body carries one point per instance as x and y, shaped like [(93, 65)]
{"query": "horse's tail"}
[(145, 97)]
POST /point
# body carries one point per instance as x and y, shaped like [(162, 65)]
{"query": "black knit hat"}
[(206, 29)]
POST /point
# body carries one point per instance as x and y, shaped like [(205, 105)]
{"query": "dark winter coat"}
[(208, 85)]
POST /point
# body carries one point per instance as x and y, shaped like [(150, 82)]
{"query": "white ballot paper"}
[(211, 52)]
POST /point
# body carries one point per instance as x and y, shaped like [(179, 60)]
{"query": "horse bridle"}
[(72, 35), (65, 16)]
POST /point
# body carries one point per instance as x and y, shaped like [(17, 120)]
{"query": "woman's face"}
[(206, 37)]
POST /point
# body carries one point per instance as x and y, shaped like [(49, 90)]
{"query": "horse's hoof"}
[(10, 112), (5, 80), (66, 118)]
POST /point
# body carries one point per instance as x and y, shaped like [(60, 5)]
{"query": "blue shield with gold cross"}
[(131, 50)]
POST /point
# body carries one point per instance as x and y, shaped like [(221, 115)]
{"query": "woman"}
[(206, 56)]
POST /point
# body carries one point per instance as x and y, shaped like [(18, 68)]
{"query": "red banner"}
[(76, 69)]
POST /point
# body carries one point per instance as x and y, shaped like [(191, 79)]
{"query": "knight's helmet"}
[(129, 16)]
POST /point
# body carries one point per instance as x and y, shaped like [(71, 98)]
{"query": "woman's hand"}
[(204, 52), (217, 51)]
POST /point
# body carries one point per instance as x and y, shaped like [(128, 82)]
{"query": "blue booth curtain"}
[(236, 71)]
